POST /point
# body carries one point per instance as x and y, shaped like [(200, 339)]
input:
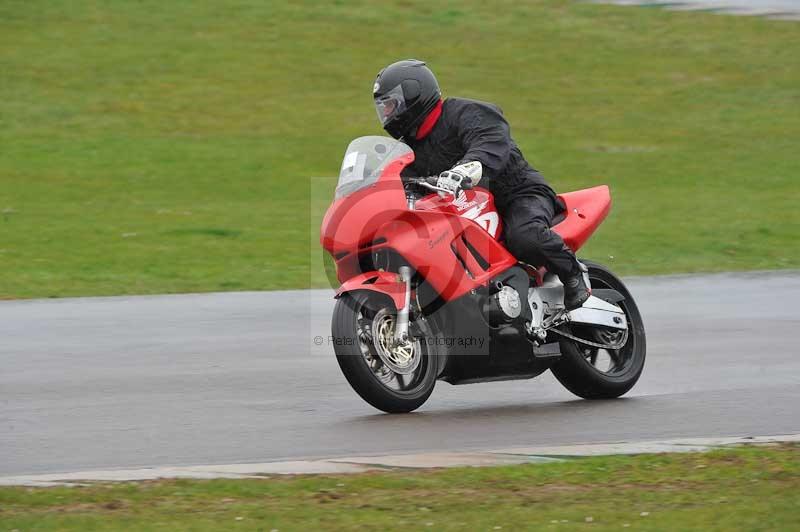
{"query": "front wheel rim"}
[(402, 368)]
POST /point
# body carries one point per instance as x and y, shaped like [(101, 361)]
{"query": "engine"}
[(503, 306)]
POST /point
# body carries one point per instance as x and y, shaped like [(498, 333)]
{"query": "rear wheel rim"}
[(608, 362)]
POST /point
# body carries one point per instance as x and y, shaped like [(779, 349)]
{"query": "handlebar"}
[(430, 184)]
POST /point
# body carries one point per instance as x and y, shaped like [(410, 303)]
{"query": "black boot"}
[(575, 291)]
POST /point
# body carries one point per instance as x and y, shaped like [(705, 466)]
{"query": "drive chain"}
[(614, 346)]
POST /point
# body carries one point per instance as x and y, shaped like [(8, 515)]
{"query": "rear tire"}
[(576, 369), (358, 354)]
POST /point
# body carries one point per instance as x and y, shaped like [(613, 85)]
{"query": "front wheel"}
[(595, 373), (393, 378)]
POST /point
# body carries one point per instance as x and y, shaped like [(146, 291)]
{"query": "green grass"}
[(170, 146), (753, 488)]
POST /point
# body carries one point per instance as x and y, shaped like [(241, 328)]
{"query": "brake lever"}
[(423, 182), (436, 189)]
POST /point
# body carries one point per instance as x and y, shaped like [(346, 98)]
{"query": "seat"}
[(585, 211)]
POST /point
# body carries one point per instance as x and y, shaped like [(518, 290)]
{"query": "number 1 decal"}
[(489, 221)]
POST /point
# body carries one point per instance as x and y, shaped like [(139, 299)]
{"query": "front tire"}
[(392, 379), (579, 368)]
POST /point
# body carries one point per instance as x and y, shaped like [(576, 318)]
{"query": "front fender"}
[(387, 283)]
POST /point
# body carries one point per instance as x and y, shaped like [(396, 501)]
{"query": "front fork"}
[(401, 326)]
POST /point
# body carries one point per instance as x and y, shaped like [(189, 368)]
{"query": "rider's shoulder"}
[(459, 105)]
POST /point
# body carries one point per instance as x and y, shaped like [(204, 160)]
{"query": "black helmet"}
[(405, 92)]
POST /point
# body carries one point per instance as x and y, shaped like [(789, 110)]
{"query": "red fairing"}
[(453, 253), (351, 221), (438, 246), (586, 210), (385, 282), (476, 204), (454, 246)]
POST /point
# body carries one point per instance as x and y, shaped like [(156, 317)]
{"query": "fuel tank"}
[(476, 204)]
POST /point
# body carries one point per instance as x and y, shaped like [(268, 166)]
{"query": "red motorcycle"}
[(428, 290)]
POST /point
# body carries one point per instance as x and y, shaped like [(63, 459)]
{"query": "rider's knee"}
[(526, 239)]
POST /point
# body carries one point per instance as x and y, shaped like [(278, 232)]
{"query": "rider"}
[(464, 140)]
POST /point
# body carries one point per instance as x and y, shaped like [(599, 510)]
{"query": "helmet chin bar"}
[(400, 131), (394, 131)]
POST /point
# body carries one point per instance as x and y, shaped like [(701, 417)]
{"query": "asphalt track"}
[(236, 377), (779, 9)]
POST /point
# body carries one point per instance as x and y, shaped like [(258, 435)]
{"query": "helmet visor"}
[(390, 105)]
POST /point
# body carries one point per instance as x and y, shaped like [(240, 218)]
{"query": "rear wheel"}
[(596, 373), (393, 378)]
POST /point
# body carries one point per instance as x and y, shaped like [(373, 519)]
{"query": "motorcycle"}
[(429, 292)]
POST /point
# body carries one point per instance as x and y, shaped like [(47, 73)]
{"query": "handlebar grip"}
[(466, 184)]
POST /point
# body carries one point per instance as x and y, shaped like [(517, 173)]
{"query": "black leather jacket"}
[(470, 130)]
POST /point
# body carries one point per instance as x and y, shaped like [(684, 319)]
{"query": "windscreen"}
[(364, 160)]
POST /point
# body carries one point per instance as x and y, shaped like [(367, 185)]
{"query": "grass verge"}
[(749, 488), (152, 147)]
